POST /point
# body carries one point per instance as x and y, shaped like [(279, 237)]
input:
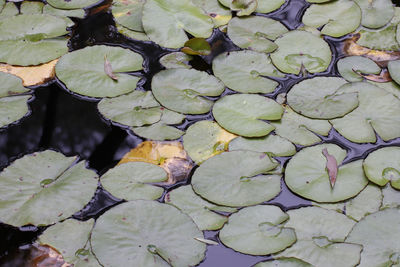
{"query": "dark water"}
[(70, 124)]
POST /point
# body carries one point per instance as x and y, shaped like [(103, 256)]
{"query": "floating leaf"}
[(235, 179), (132, 180), (82, 71), (141, 36), (181, 90), (383, 166), (375, 13), (9, 10), (257, 231), (382, 39), (267, 6), (377, 112), (134, 109), (72, 4), (378, 234), (352, 68), (337, 18), (300, 49), (391, 197), (390, 87), (205, 139), (274, 144), (310, 179), (146, 233), (25, 200), (128, 13), (243, 7), (75, 13), (176, 60), (283, 262), (165, 22), (245, 71), (300, 130), (219, 14), (368, 201), (322, 98), (202, 212), (197, 46), (255, 33), (243, 114), (394, 70), (28, 7)]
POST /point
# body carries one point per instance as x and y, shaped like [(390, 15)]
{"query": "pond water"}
[(72, 125)]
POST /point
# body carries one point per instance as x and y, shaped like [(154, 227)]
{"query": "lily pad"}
[(134, 109), (203, 213), (141, 36), (43, 188), (161, 130), (383, 166), (146, 233), (394, 70), (205, 139), (283, 262), (72, 4), (165, 22), (322, 98), (255, 32), (306, 175), (235, 179), (245, 71), (197, 46), (301, 49), (9, 10), (243, 114), (350, 68), (28, 7), (391, 197), (128, 13), (218, 13), (338, 18), (176, 60), (132, 180), (74, 13), (267, 6), (378, 234), (274, 144), (181, 90), (299, 129), (375, 13), (377, 112), (83, 71), (258, 231), (382, 39)]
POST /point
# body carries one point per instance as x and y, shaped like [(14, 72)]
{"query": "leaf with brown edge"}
[(383, 77), (197, 46), (331, 166), (32, 75), (168, 155), (108, 69)]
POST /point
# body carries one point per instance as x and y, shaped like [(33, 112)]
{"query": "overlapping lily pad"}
[(306, 175), (176, 60), (383, 166), (43, 188), (267, 6), (382, 39), (72, 4), (83, 71), (9, 10), (128, 13), (350, 68), (245, 71), (375, 14), (165, 22), (391, 197), (236, 179), (322, 98), (182, 90), (255, 32), (394, 70), (377, 112), (146, 233), (218, 13), (258, 230), (283, 262), (243, 114), (301, 49)]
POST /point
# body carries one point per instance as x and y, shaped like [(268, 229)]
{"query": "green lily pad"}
[(72, 4), (255, 33), (43, 188), (300, 49), (134, 109), (306, 175), (377, 112), (394, 70), (242, 114), (274, 144), (146, 233), (375, 13), (70, 238), (391, 197), (176, 60), (382, 39), (378, 234), (383, 166), (141, 36), (205, 139), (131, 181), (322, 98), (197, 46), (28, 7), (181, 90), (165, 22), (161, 130), (11, 85), (351, 67), (218, 13), (283, 262), (2, 3), (245, 71), (83, 71), (75, 13), (267, 6), (258, 231), (299, 129), (9, 10), (202, 212), (234, 179), (368, 201), (128, 13), (338, 18), (390, 87)]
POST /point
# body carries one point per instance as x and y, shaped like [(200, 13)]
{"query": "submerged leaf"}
[(197, 46)]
